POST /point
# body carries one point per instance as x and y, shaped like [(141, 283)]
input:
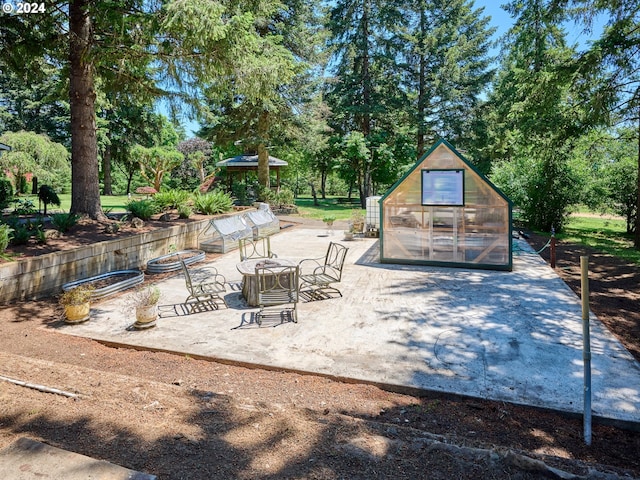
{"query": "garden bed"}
[(171, 262), (108, 283)]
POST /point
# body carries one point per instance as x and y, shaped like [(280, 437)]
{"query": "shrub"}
[(542, 189), (279, 199), (240, 192), (184, 211), (23, 230), (63, 222), (143, 209), (6, 192), (77, 296), (24, 207), (171, 199), (21, 235), (22, 184), (212, 203), (5, 237), (284, 197)]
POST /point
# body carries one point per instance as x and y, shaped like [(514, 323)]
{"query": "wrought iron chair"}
[(255, 248), (205, 294), (278, 286), (317, 279)]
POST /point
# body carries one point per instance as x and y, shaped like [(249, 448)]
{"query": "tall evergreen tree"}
[(255, 101), (126, 45), (446, 66), (364, 93), (35, 104), (609, 70), (533, 117)]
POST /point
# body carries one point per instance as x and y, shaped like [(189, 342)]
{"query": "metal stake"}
[(586, 347)]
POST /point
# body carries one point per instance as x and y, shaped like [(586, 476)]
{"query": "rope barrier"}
[(517, 249)]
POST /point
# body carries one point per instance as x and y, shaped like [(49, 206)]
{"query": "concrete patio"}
[(510, 336)]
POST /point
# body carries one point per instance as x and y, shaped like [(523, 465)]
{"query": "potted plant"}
[(329, 220), (77, 303), (357, 221), (145, 302)]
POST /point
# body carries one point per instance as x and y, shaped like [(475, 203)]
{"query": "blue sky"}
[(502, 20), (499, 18)]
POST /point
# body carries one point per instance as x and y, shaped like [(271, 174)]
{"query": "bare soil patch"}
[(181, 418)]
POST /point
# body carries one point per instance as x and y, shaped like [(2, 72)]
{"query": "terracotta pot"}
[(77, 313), (146, 316)]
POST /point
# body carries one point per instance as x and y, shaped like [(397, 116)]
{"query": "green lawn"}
[(114, 203), (607, 235), (326, 207), (110, 203)]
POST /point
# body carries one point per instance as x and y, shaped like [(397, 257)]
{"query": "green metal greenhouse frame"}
[(444, 212)]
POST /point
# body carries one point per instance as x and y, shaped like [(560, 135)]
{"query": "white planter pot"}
[(146, 316)]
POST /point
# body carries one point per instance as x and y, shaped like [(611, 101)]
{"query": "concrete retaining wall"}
[(43, 276)]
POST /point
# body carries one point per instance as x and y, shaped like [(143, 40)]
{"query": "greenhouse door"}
[(444, 229)]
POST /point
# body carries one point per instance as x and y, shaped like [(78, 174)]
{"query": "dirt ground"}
[(181, 418)]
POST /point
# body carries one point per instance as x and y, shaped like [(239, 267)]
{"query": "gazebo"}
[(241, 164)]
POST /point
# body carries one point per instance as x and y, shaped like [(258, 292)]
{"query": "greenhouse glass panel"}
[(468, 223)]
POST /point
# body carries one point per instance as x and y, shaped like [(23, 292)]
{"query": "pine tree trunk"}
[(636, 242), (85, 186), (263, 152), (314, 194), (422, 87), (323, 184), (366, 96), (365, 126)]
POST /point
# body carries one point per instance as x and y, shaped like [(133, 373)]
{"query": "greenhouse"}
[(445, 212)]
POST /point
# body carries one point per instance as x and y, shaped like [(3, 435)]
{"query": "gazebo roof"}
[(249, 162)]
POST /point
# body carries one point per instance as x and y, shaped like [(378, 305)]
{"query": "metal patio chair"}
[(317, 277), (206, 293), (277, 287), (255, 248)]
